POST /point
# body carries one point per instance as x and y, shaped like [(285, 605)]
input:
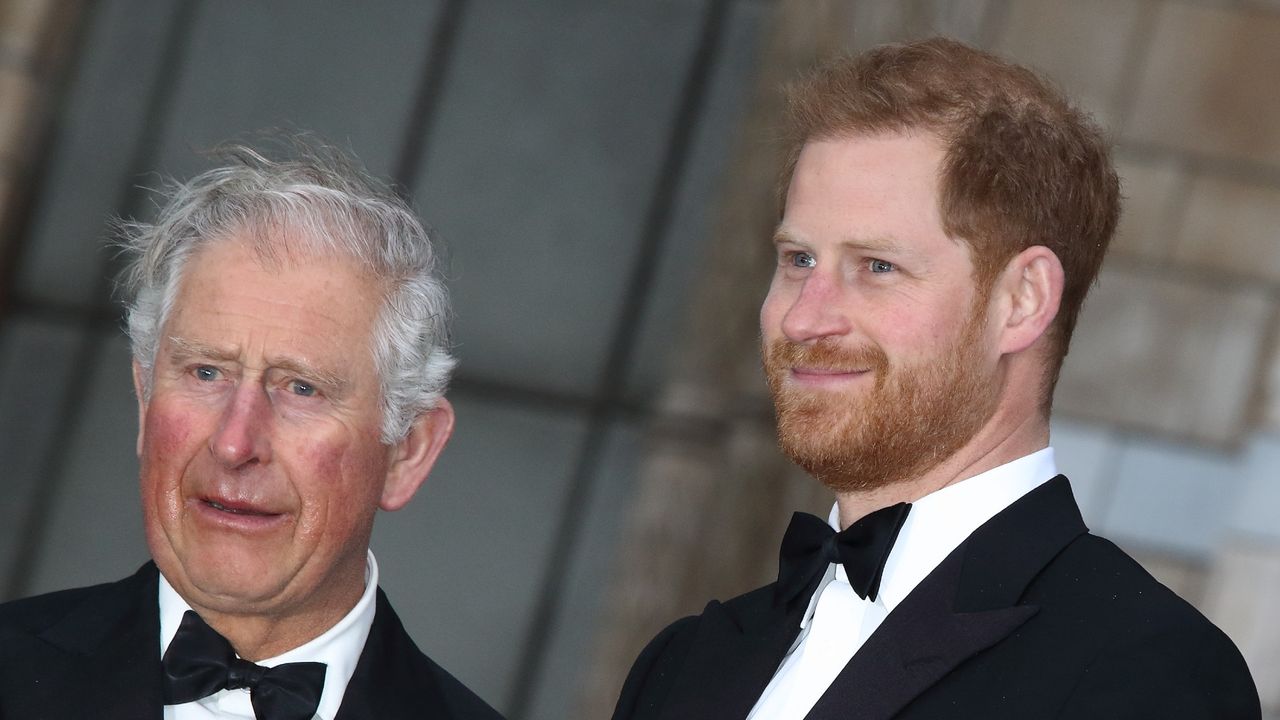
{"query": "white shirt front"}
[(837, 621), (338, 648)]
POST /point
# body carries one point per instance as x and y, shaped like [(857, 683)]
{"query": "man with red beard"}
[(945, 213)]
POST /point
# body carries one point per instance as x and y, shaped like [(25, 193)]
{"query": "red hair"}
[(1023, 167)]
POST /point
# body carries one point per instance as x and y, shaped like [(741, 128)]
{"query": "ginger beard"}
[(914, 417)]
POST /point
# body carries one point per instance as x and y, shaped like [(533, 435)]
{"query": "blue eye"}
[(803, 259), (880, 266), (206, 373), (298, 387)]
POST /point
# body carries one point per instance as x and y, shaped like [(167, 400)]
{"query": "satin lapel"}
[(389, 681), (112, 650), (966, 605), (732, 659), (918, 643)]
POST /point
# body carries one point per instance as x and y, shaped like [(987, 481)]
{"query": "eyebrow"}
[(193, 349), (878, 244)]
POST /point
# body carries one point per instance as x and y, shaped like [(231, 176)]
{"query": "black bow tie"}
[(810, 545), (200, 662)]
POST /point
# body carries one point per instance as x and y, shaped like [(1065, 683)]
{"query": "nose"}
[(816, 311), (242, 437)]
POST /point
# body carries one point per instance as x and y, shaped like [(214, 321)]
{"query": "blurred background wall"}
[(599, 171)]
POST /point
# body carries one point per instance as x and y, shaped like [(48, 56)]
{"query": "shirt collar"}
[(338, 648), (941, 520)]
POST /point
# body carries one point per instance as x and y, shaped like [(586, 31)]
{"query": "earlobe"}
[(1033, 282), (415, 455)]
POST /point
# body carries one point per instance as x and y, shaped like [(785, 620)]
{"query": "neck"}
[(257, 635), (1004, 439), (256, 639)]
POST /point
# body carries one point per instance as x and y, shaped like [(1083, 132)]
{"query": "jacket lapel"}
[(966, 605), (112, 649), (389, 681), (377, 666), (732, 658), (918, 643)]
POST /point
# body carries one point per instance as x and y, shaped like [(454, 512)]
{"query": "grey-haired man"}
[(290, 359)]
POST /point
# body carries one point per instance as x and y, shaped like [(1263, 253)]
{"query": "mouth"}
[(824, 377), (236, 509), (819, 372), (227, 513)]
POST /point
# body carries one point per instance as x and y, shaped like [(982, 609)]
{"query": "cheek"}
[(919, 328), (167, 449), (168, 439), (341, 476)]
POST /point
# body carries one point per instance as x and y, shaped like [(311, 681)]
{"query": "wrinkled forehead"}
[(320, 312)]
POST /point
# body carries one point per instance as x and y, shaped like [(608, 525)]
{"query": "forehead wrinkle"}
[(298, 367), (194, 348)]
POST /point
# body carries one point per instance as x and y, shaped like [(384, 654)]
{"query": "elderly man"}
[(944, 215), (290, 355)]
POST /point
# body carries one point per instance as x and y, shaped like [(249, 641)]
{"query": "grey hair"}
[(316, 203)]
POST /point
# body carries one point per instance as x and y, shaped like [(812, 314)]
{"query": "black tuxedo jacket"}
[(94, 653), (1030, 617)]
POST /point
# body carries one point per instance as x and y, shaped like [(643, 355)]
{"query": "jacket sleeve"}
[(653, 672), (1167, 677)]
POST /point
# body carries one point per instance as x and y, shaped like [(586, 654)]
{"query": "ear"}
[(413, 457), (1030, 292), (139, 392)]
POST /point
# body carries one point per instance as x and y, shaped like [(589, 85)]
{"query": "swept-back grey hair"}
[(316, 203)]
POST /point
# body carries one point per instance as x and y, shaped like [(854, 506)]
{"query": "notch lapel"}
[(966, 605), (111, 647), (918, 643), (387, 672)]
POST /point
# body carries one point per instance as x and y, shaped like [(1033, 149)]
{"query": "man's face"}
[(874, 335), (261, 463)]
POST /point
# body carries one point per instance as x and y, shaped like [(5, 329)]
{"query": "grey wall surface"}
[(566, 151)]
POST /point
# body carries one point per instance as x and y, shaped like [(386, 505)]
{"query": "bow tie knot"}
[(244, 674), (200, 662), (811, 545), (831, 548)]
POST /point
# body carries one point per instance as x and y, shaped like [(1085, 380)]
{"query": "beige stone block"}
[(873, 22), (6, 191), (1166, 356), (1269, 411), (17, 92), (6, 220), (1232, 225), (1209, 82), (1243, 595), (22, 23), (1083, 45), (1151, 190), (1186, 577)]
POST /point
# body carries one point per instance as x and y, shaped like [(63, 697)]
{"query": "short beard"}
[(909, 422)]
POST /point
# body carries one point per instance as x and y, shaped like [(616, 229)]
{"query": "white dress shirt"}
[(837, 621), (338, 648)]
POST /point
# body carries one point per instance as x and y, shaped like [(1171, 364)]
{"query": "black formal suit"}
[(94, 653), (1030, 617)]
